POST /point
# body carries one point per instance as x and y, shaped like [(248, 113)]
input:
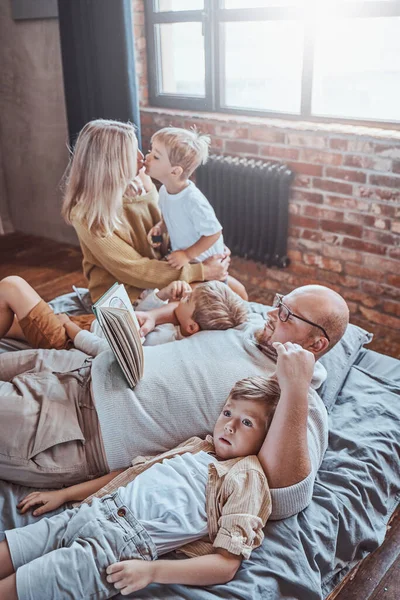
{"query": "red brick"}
[(394, 253), (364, 273), (338, 227), (309, 141), (346, 174), (341, 253), (201, 126), (358, 296), (356, 160), (239, 147), (330, 238), (380, 289), (394, 280), (321, 157), (392, 307), (348, 281), (349, 203), (333, 186), (301, 269), (239, 133), (323, 263), (279, 152), (380, 237), (385, 180), (366, 220), (319, 212), (384, 265), (312, 235), (302, 181), (377, 317), (361, 146), (338, 144), (304, 196), (294, 255), (356, 244), (306, 168), (388, 150), (396, 166), (377, 193), (263, 134), (299, 221)]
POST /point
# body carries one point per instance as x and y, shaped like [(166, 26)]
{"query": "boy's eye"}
[(227, 413), (247, 423)]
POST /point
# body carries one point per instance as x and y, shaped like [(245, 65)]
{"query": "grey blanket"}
[(356, 491)]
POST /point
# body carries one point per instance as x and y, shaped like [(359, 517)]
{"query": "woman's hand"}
[(48, 500), (216, 267), (174, 291), (146, 321), (177, 259), (130, 575), (155, 230)]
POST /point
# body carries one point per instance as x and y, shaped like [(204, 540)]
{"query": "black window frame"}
[(211, 18)]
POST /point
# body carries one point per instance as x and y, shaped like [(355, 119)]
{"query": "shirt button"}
[(121, 512)]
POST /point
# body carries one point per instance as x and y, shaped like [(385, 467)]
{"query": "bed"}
[(356, 491)]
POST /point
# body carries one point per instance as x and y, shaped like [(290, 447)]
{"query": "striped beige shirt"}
[(238, 500)]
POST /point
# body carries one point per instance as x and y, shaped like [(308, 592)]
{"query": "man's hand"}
[(177, 259), (146, 321), (174, 291), (216, 267), (130, 575), (294, 366), (48, 500)]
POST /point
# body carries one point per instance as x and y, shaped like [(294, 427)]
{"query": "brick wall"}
[(344, 226)]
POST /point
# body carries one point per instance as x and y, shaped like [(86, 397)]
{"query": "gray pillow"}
[(337, 361)]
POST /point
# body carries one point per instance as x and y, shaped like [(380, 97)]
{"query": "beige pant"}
[(49, 430)]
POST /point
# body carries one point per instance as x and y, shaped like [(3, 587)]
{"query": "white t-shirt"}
[(188, 216), (169, 500)]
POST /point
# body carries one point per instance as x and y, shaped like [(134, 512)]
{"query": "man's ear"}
[(177, 172), (319, 345), (192, 327)]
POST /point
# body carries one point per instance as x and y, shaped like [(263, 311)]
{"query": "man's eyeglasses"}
[(284, 313)]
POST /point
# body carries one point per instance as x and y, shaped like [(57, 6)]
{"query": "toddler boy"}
[(213, 487), (194, 231), (212, 305)]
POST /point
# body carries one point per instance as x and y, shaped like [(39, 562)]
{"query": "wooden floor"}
[(52, 268)]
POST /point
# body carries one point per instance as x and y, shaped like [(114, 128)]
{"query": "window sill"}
[(276, 123)]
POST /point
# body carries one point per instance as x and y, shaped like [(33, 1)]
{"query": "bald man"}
[(68, 416)]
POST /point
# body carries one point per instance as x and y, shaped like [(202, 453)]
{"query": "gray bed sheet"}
[(356, 491)]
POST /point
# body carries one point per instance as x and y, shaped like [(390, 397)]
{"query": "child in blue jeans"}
[(109, 544)]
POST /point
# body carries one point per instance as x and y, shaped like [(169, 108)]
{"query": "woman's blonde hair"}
[(186, 148), (101, 170), (217, 306)]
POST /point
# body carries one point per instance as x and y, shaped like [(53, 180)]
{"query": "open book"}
[(118, 321)]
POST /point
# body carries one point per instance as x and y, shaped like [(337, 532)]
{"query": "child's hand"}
[(146, 321), (177, 259), (131, 575), (155, 230), (71, 329), (63, 318), (174, 291), (48, 500)]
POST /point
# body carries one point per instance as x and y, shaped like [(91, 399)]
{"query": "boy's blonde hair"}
[(217, 306), (263, 389), (186, 148), (101, 170)]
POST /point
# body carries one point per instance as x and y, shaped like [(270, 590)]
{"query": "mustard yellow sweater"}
[(126, 256)]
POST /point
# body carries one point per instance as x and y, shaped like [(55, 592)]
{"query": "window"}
[(304, 59)]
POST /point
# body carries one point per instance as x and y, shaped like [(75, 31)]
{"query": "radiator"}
[(250, 199)]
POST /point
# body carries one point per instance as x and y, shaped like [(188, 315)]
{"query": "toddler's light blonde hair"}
[(217, 306), (101, 170), (262, 389), (186, 148)]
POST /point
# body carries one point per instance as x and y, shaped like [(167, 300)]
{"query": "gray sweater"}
[(184, 387)]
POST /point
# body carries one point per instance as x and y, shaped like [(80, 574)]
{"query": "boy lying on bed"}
[(215, 486), (210, 306)]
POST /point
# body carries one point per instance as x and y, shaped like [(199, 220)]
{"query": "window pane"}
[(360, 77), (261, 3), (175, 5), (181, 59), (263, 65)]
